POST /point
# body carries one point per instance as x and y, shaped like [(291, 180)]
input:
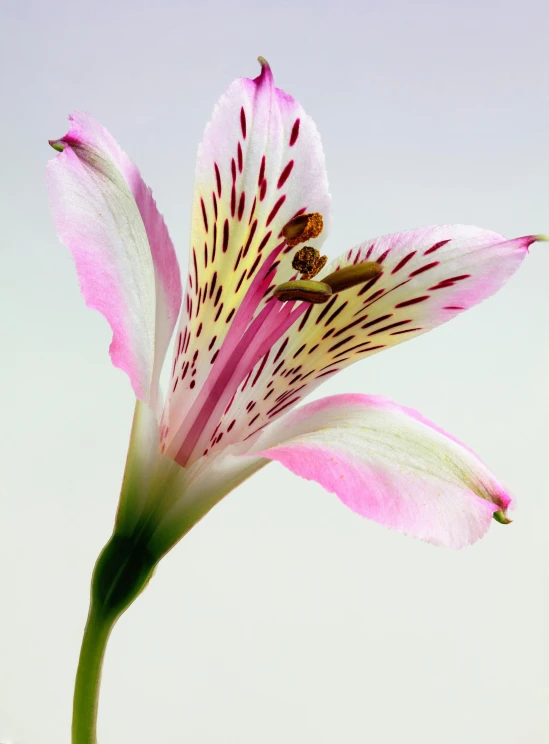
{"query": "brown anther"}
[(350, 276), (308, 262), (302, 228), (305, 290)]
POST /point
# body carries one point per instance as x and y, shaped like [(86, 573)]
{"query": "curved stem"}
[(88, 676)]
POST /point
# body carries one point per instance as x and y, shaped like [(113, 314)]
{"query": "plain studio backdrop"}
[(282, 617)]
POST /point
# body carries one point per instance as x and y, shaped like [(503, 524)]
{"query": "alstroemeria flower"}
[(246, 353)]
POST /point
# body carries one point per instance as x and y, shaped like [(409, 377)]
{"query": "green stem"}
[(122, 571), (88, 676)]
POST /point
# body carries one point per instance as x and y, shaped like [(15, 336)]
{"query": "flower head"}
[(265, 320)]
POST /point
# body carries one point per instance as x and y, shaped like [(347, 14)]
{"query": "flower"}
[(265, 320)]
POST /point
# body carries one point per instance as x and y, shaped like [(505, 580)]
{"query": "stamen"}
[(302, 228), (308, 262), (350, 276), (303, 289)]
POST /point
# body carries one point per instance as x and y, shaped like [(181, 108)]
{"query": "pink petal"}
[(389, 464), (429, 276), (124, 257), (245, 192)]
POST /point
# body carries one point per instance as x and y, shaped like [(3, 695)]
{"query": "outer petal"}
[(429, 276), (389, 464), (124, 257), (259, 164)]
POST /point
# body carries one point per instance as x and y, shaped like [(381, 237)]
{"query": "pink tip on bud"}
[(58, 145)]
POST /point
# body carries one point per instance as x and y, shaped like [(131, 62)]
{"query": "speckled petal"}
[(389, 464), (260, 163), (429, 276)]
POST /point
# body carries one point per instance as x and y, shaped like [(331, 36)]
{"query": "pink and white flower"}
[(243, 360)]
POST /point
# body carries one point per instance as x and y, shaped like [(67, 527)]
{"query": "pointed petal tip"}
[(57, 145), (501, 517), (541, 238), (266, 73)]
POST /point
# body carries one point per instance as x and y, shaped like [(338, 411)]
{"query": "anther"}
[(303, 289), (308, 262), (302, 228), (350, 276)]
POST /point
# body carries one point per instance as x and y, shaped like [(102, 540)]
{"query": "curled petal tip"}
[(501, 517), (263, 62), (58, 145)]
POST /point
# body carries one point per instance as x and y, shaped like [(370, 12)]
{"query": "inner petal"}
[(259, 165)]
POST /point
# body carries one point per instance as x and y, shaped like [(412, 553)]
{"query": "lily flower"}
[(265, 320), (254, 339)]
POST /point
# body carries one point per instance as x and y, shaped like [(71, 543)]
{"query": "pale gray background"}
[(282, 617)]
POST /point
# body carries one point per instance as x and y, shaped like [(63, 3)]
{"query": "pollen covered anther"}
[(308, 262), (303, 289), (303, 228), (350, 276)]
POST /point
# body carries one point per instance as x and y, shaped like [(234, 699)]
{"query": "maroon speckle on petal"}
[(453, 307), (412, 302), (214, 281), (239, 155), (233, 169), (377, 320), (218, 179), (424, 268), (284, 175), (261, 171), (199, 330), (383, 256), (193, 383), (262, 190), (218, 313), (212, 342), (436, 246), (252, 210), (230, 426), (264, 241), (369, 251), (281, 350), (195, 269), (241, 203), (240, 281), (212, 360), (218, 295), (251, 272), (214, 241), (214, 202), (230, 315), (295, 133), (225, 236), (407, 330), (233, 200), (369, 285), (260, 370), (388, 327), (403, 262), (204, 215), (445, 283), (250, 238), (243, 122)]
